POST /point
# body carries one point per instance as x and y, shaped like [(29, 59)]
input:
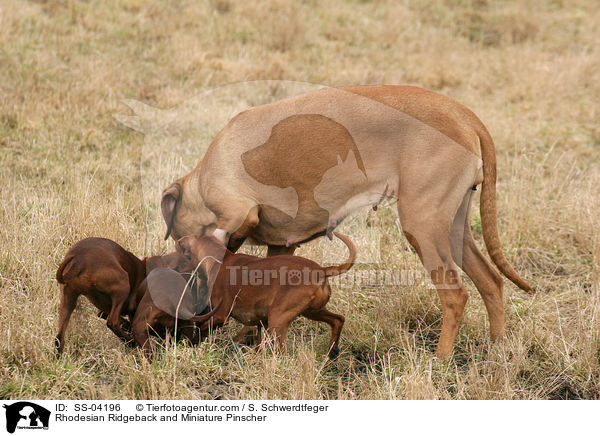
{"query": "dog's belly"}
[(100, 300), (249, 308), (329, 208), (247, 318)]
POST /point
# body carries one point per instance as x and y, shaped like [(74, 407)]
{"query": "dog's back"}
[(92, 255), (105, 273)]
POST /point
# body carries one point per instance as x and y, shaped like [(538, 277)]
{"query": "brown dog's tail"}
[(332, 271), (489, 213), (61, 269), (203, 318)]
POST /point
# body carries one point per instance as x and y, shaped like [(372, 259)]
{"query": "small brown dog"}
[(107, 275), (267, 292), (170, 302)]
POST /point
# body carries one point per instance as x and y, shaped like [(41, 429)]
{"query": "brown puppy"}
[(170, 302), (267, 292), (106, 274)]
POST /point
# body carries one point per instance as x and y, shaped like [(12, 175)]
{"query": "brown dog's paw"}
[(334, 352), (131, 343)]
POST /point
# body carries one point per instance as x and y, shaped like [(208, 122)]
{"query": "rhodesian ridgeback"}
[(291, 171)]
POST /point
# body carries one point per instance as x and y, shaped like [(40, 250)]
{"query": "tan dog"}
[(267, 292), (291, 171), (107, 275)]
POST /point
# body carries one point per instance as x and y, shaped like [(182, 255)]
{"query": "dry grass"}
[(529, 69)]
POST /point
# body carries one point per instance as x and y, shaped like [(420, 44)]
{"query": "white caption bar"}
[(149, 417)]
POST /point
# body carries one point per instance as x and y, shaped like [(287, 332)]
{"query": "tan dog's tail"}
[(489, 213), (203, 318), (332, 271), (61, 268)]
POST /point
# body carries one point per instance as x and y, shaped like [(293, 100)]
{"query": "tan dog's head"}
[(207, 250), (184, 211)]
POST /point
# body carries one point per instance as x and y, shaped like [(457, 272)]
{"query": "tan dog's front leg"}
[(232, 230)]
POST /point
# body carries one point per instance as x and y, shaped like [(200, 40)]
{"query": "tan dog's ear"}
[(168, 205)]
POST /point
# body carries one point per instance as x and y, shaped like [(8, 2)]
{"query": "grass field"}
[(69, 169)]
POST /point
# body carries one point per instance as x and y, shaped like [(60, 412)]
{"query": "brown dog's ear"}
[(207, 251), (168, 205)]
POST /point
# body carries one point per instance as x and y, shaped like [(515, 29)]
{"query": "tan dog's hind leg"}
[(485, 277), (488, 283), (431, 238), (428, 212)]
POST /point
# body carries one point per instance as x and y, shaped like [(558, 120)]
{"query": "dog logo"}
[(26, 415)]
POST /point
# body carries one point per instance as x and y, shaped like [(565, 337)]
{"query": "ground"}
[(69, 169)]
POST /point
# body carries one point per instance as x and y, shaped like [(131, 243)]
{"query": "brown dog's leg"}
[(140, 326), (188, 331), (279, 322), (279, 333), (260, 334), (113, 321), (336, 322), (68, 301), (244, 336)]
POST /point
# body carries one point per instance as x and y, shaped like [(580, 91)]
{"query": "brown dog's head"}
[(207, 250), (178, 262), (175, 261)]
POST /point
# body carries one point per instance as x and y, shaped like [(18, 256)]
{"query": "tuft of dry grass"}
[(70, 170)]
